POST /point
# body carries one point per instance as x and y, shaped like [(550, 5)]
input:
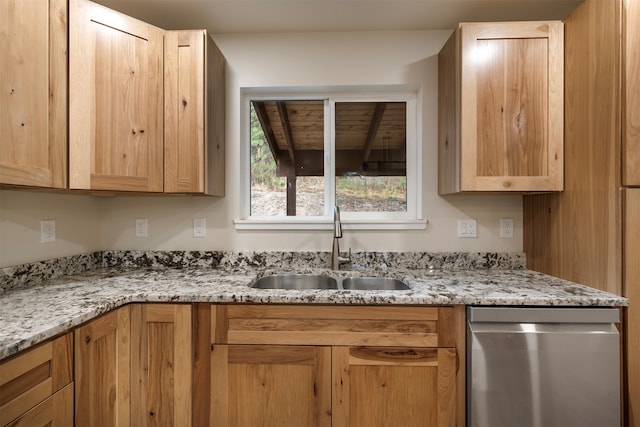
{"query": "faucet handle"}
[(345, 259)]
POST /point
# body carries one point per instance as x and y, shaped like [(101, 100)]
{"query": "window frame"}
[(409, 219)]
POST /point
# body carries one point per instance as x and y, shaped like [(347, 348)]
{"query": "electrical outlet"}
[(506, 227), (467, 228), (47, 230), (141, 227), (199, 227)]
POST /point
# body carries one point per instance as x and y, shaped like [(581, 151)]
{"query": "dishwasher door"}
[(543, 367)]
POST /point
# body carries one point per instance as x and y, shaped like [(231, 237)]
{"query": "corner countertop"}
[(32, 314)]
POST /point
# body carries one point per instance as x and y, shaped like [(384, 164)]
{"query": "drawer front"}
[(330, 325), (34, 376)]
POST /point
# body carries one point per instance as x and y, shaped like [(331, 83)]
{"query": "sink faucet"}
[(336, 259)]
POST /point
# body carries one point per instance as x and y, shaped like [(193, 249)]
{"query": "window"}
[(304, 153)]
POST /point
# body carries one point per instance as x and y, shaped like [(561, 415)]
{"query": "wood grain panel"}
[(258, 385), (116, 118), (631, 93), (393, 386), (56, 411), (32, 376), (194, 79), (449, 115), (102, 370), (162, 361), (184, 96), (512, 98), (331, 312), (203, 346), (33, 68), (508, 108), (575, 235), (632, 316), (331, 326)]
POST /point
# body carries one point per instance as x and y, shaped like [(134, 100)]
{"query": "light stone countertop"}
[(32, 314)]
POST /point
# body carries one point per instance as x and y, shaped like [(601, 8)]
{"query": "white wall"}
[(78, 225), (320, 59), (255, 60)]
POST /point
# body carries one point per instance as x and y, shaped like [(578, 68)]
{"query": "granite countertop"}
[(31, 314)]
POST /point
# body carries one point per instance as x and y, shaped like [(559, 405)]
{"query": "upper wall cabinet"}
[(33, 99), (631, 100), (115, 101), (193, 114), (501, 108)]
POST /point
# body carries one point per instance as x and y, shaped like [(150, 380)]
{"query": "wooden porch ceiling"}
[(370, 137)]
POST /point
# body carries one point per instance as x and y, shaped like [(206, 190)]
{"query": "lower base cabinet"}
[(161, 370), (271, 385), (394, 386), (56, 411), (134, 367), (244, 365), (36, 386), (328, 366)]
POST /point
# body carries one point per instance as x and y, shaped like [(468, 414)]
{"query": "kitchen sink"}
[(295, 281), (310, 281), (374, 283)]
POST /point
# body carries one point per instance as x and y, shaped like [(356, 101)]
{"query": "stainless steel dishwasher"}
[(543, 367)]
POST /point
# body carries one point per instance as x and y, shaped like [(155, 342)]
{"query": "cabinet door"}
[(270, 385), (115, 100), (194, 114), (56, 411), (102, 351), (632, 313), (162, 358), (33, 376), (631, 85), (33, 101), (511, 108), (184, 111), (387, 386)]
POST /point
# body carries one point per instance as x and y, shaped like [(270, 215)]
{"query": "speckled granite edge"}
[(38, 272), (360, 260), (35, 273)]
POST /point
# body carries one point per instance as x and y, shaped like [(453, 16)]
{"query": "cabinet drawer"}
[(34, 376), (331, 325)]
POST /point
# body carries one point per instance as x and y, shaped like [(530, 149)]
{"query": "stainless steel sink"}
[(374, 283), (310, 281), (295, 281)]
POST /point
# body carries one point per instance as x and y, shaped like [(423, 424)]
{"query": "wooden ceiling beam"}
[(286, 127), (373, 130), (263, 118)]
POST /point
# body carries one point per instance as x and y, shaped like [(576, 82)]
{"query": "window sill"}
[(326, 224)]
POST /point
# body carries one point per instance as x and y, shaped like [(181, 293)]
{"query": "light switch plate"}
[(141, 227), (467, 228), (47, 230), (199, 227)]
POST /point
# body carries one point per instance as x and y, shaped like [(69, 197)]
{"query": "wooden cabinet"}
[(384, 386), (115, 100), (102, 369), (631, 94), (134, 367), (340, 366), (194, 114), (601, 158), (500, 103), (36, 386), (33, 72), (162, 359), (271, 385)]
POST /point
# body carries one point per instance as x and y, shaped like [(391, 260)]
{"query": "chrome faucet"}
[(336, 259)]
